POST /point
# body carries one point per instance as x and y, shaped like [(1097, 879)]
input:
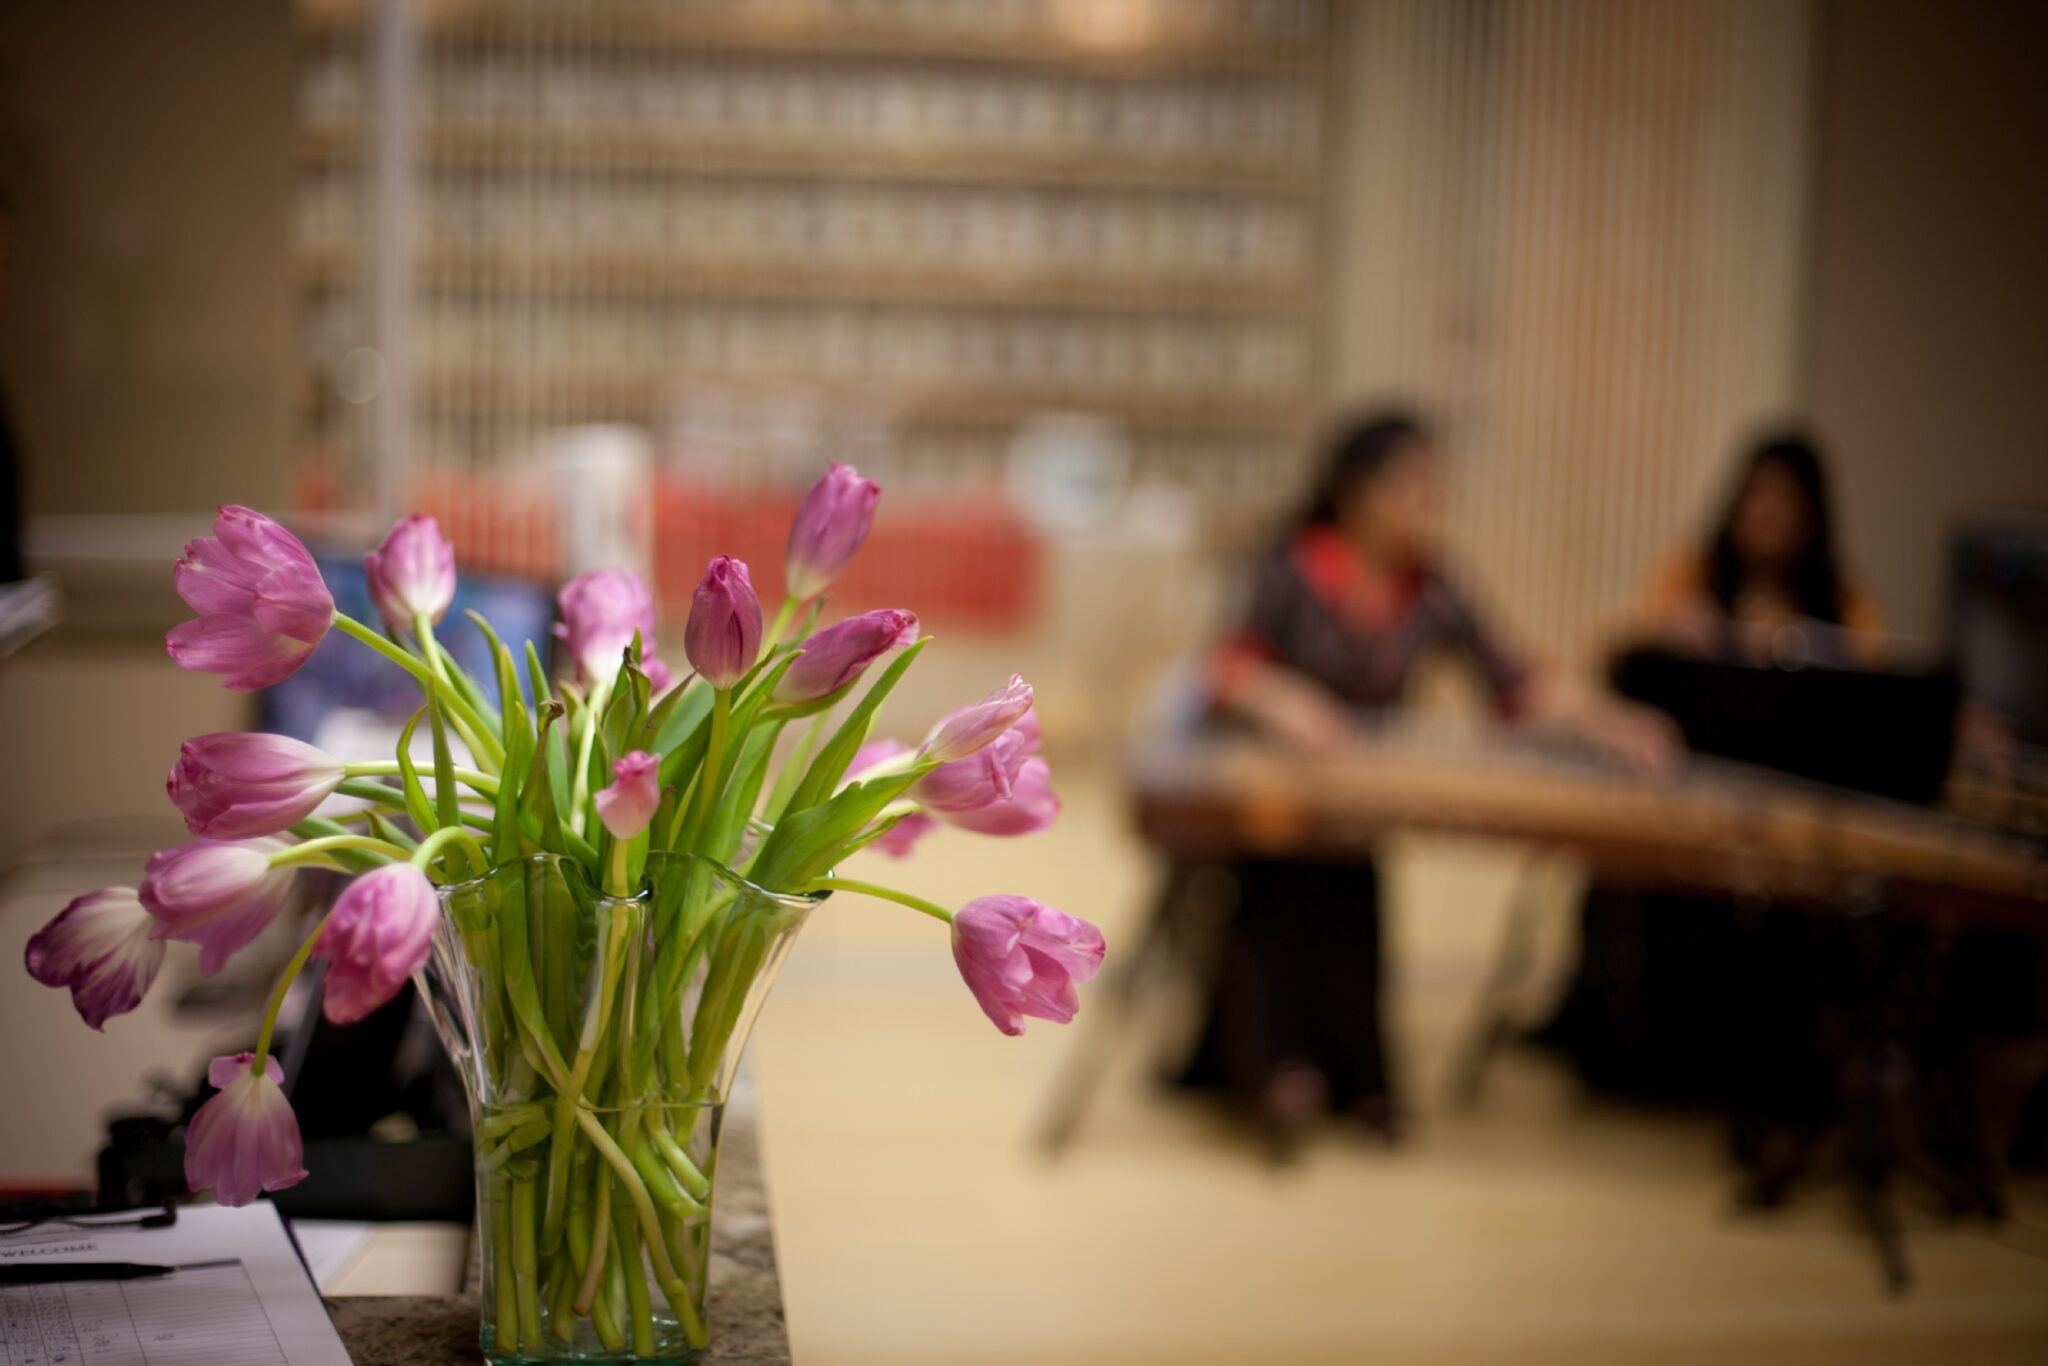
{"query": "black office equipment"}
[(1887, 733)]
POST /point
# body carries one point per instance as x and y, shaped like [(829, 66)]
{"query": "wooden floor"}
[(917, 1225)]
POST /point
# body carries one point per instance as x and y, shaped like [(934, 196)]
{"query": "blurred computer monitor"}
[(1998, 623)]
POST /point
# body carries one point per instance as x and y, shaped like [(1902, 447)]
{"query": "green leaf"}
[(830, 765), (511, 782), (416, 804), (538, 814), (729, 817), (447, 798), (682, 711), (806, 842)]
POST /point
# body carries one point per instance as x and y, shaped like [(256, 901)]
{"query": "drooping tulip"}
[(238, 785), (261, 602), (245, 1140), (1031, 807), (600, 612), (379, 933), (218, 894), (1021, 957), (988, 775), (837, 655), (976, 725), (412, 573), (627, 807), (100, 947), (830, 524), (723, 635)]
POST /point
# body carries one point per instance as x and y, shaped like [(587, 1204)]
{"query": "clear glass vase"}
[(597, 1037)]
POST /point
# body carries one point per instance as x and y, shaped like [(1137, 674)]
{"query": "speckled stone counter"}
[(743, 1305)]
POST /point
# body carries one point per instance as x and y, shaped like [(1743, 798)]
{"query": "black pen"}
[(49, 1273)]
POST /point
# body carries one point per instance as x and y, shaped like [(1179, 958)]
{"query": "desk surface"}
[(743, 1304), (1712, 825)]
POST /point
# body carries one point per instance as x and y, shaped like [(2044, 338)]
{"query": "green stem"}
[(311, 851), (431, 847), (407, 661), (847, 884), (586, 740), (284, 982), (475, 733), (390, 768), (596, 1017), (600, 1235), (672, 1287), (783, 616), (707, 776)]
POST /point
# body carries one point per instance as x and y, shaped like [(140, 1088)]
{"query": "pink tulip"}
[(100, 947), (261, 602), (976, 726), (600, 612), (379, 933), (659, 675), (218, 894), (723, 635), (837, 655), (901, 841), (1021, 957), (412, 573), (627, 807), (237, 785), (830, 524), (982, 778), (245, 1140), (1031, 806)]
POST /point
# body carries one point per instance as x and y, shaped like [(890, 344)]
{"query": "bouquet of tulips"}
[(582, 850)]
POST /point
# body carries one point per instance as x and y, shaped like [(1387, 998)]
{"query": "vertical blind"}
[(1572, 234)]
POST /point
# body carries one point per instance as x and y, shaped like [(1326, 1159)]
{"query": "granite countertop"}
[(743, 1304)]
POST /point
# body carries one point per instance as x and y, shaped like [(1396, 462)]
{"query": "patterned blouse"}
[(1315, 609)]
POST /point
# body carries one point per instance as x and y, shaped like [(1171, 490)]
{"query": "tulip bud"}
[(600, 613), (100, 947), (245, 1140), (627, 807), (723, 635), (830, 524), (412, 573), (976, 726), (1021, 957), (837, 655), (262, 604), (218, 894), (379, 933), (237, 785)]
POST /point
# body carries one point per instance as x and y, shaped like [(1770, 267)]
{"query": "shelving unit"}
[(769, 231)]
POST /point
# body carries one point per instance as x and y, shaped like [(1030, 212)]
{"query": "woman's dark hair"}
[(1815, 581), (1356, 455)]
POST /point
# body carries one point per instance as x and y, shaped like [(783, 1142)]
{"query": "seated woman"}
[(1342, 608), (1692, 998), (1769, 568)]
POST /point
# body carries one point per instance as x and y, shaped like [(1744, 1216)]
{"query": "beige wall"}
[(147, 344), (1930, 278)]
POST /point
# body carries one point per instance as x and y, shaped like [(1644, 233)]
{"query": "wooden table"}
[(1710, 826)]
